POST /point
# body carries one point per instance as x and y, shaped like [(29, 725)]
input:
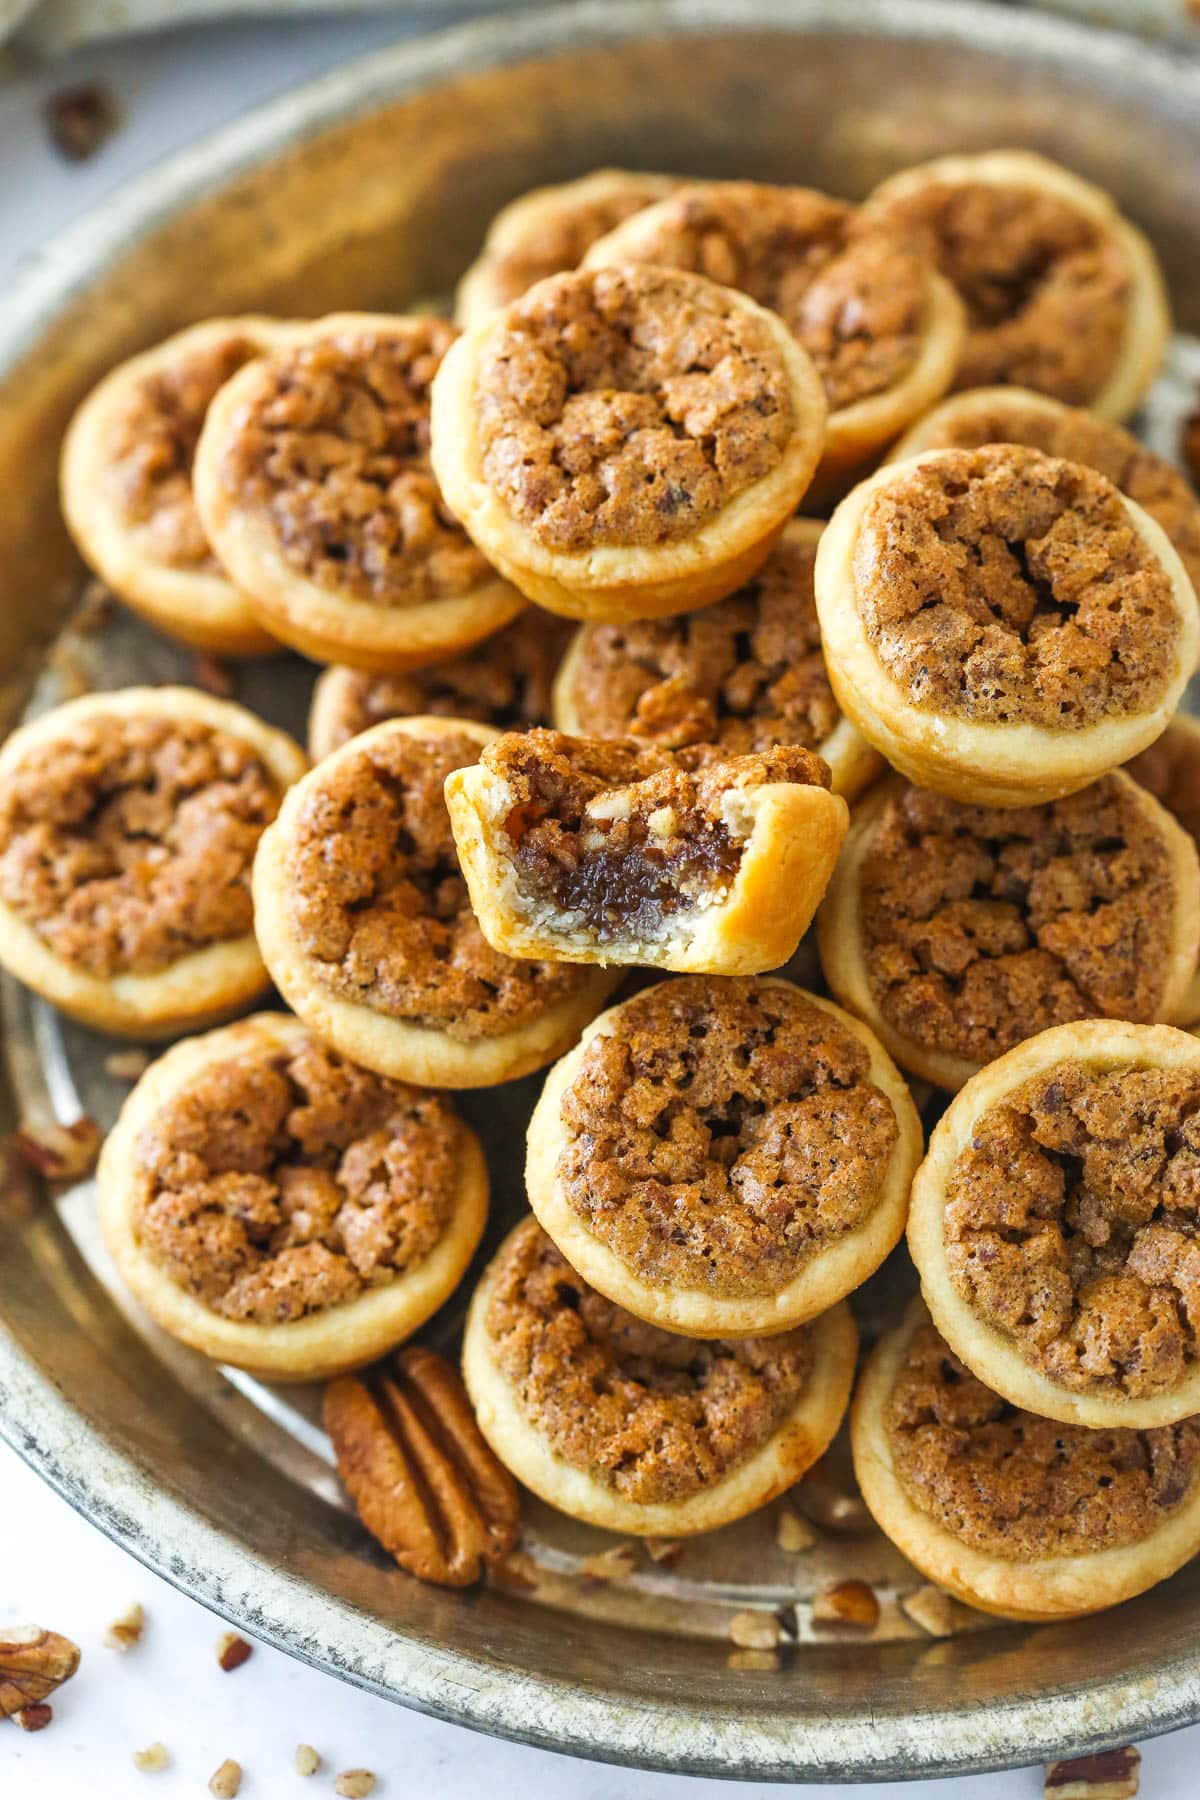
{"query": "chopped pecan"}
[(152, 1759), (754, 1630), (233, 1651), (664, 1551), (354, 1784), (846, 1603), (80, 119), (932, 1609), (793, 1533), (126, 1630), (616, 1564), (60, 1152), (306, 1760), (1189, 442), (226, 1782), (34, 1718), (1109, 1775), (33, 1663), (417, 1467), (211, 674)]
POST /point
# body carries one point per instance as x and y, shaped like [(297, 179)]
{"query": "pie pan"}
[(371, 189)]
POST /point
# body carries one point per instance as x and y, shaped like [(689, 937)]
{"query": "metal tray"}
[(370, 188)]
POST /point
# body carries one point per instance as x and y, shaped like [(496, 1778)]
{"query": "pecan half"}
[(417, 1467), (33, 1663), (1110, 1775)]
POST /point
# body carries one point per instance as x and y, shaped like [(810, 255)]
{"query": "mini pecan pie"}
[(128, 827), (363, 919), (1056, 1224), (1062, 293), (548, 230), (592, 851), (1170, 770), (1017, 1514), (958, 930), (279, 1208), (627, 442), (747, 674), (314, 485), (883, 328), (1003, 625), (127, 484), (505, 681), (724, 1155), (624, 1425)]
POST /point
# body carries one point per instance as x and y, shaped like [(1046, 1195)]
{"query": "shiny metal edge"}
[(188, 1550)]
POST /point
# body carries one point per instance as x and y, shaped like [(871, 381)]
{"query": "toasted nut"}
[(226, 1782), (233, 1651), (35, 1717), (126, 1065), (754, 1630), (752, 1659), (616, 1564), (664, 1551), (211, 674), (517, 1571), (60, 1152), (307, 1761), (33, 1663), (1189, 444), (846, 1603), (153, 1758), (417, 1467), (792, 1533), (1109, 1775), (931, 1609), (126, 1630), (354, 1784), (79, 119)]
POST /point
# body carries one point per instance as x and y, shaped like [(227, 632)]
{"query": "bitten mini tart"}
[(548, 230), (128, 827), (724, 1156), (623, 443), (1063, 294), (1016, 1514), (278, 1208), (955, 931), (1012, 415), (590, 851), (1054, 1224), (126, 484), (884, 329), (505, 681), (635, 1429), (747, 674), (1170, 770), (1003, 626), (363, 919), (313, 482)]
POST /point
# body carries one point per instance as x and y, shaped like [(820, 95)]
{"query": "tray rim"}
[(197, 1556)]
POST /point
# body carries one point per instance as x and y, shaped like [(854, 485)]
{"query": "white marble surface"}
[(55, 1568)]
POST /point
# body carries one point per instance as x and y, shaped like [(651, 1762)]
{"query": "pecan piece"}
[(417, 1467), (1109, 1775), (846, 1603), (60, 1152), (33, 1663), (1189, 441)]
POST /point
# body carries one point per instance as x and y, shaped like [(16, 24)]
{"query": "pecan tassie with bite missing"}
[(314, 485), (637, 1429), (586, 850), (281, 1209), (365, 923), (1016, 1514), (129, 823), (724, 1156), (747, 673), (956, 931)]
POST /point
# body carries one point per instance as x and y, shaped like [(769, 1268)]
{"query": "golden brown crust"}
[(318, 1343), (758, 1252), (1045, 1581), (514, 381), (206, 980), (523, 1443), (956, 930)]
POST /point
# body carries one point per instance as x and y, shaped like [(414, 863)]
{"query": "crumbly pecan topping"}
[(562, 231)]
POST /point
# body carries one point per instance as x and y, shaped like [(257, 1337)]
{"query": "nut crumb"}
[(60, 1152), (233, 1651), (754, 1630), (846, 1603), (615, 1564), (793, 1533), (126, 1629), (211, 674), (665, 1551), (517, 1571), (354, 1784), (153, 1758), (1109, 1775), (932, 1609), (307, 1762), (226, 1782), (80, 119), (126, 1065), (752, 1659), (35, 1717)]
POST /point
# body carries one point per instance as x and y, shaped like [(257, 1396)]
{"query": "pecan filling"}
[(724, 1136), (127, 843), (983, 925), (747, 674), (335, 449), (277, 1186), (1005, 586), (561, 234), (619, 840), (1046, 288), (628, 407), (1071, 1225), (654, 1416), (378, 902), (1017, 1486)]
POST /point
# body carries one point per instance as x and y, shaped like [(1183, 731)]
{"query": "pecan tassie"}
[(414, 1462), (33, 1663)]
